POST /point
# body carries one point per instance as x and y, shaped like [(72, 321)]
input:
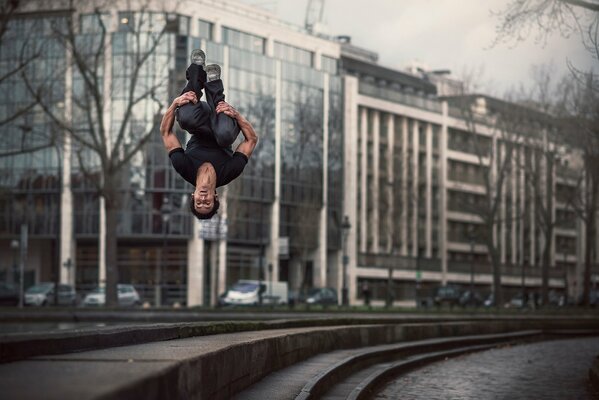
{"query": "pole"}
[(345, 227), (22, 260)]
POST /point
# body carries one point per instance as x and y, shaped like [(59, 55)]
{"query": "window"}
[(329, 64), (205, 29), (243, 40), (293, 54)]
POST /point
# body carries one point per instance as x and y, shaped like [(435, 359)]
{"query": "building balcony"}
[(386, 261), (465, 267)]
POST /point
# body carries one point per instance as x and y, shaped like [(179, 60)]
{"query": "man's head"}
[(204, 204)]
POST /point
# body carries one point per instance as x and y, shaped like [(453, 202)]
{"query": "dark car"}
[(471, 299), (9, 294), (325, 296), (446, 295)]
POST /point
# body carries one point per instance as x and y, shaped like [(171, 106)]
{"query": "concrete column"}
[(532, 235), (195, 267), (67, 241), (318, 59), (102, 242), (522, 204), (364, 182), (219, 278), (226, 68), (502, 208), (493, 179), (415, 194), (514, 212), (270, 46), (374, 222), (390, 178), (320, 275), (429, 191), (543, 196), (443, 194), (404, 186), (350, 179), (194, 27), (217, 31), (272, 251), (580, 250), (553, 207), (215, 260)]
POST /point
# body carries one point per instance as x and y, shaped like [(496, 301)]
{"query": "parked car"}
[(127, 295), (42, 294), (517, 301), (446, 295), (471, 299), (324, 296), (9, 294)]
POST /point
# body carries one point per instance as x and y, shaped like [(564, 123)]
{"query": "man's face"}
[(203, 201)]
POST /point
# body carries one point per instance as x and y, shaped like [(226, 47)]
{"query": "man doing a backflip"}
[(208, 161)]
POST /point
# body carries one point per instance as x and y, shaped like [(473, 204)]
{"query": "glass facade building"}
[(271, 81), (339, 135)]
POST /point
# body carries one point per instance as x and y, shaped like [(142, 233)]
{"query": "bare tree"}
[(581, 122), (303, 169), (110, 124), (521, 18), (580, 104), (495, 154), (544, 152)]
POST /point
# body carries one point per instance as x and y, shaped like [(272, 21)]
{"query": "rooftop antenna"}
[(314, 13)]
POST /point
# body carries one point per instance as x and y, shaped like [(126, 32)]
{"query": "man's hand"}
[(169, 138), (187, 97), (251, 139), (226, 108)]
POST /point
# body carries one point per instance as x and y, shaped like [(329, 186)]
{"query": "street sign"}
[(213, 229), (418, 275), (284, 247)]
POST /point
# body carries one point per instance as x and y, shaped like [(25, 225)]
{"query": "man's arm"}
[(169, 138), (251, 139)]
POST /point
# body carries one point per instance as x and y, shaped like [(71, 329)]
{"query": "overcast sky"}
[(442, 34)]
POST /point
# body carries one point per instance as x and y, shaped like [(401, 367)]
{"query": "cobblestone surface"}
[(547, 370)]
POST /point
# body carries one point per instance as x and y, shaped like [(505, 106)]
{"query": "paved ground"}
[(547, 370)]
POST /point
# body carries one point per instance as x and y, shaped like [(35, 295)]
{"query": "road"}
[(555, 369)]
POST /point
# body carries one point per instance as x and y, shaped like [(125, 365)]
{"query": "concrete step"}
[(313, 377)]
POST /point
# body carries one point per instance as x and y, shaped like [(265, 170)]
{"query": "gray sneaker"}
[(198, 57), (212, 72)]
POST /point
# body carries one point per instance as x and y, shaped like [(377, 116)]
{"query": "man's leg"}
[(196, 79), (225, 128)]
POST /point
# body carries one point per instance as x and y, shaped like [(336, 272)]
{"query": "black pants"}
[(201, 118)]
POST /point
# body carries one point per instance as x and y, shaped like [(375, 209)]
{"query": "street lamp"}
[(345, 227), (165, 210)]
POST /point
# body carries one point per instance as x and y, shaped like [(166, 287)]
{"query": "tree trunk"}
[(545, 267), (112, 204), (495, 265), (590, 232), (548, 224)]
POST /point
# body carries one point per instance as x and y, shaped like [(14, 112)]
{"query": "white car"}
[(127, 295)]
